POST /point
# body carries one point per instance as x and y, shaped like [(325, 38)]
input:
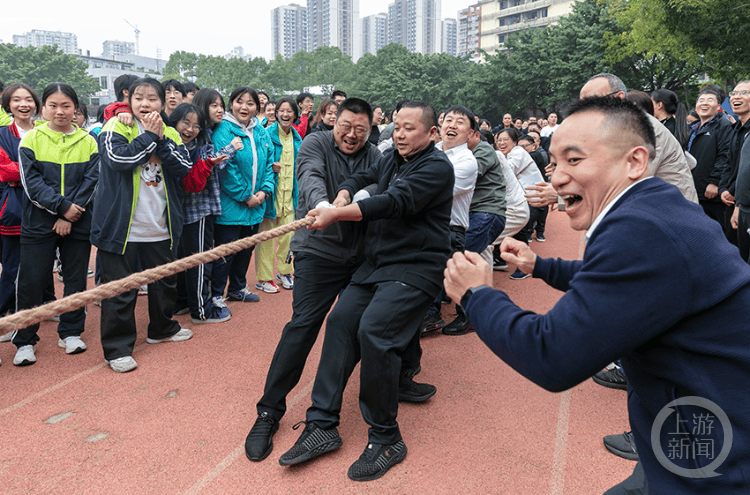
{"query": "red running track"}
[(177, 424)]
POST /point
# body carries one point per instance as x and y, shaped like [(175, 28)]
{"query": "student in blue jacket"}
[(138, 219), (246, 182), (59, 169)]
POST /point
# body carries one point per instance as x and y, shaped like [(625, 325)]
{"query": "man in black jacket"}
[(739, 99), (709, 144), (378, 314)]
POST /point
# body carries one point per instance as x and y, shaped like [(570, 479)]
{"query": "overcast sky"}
[(166, 24)]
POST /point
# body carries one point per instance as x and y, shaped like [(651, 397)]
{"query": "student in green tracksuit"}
[(138, 216), (59, 169)]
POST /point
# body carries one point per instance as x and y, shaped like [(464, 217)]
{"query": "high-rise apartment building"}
[(116, 47), (334, 23), (374, 33), (501, 18), (415, 24), (67, 42), (288, 30), (469, 30), (449, 44)]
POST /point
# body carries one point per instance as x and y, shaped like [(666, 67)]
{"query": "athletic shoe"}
[(614, 378), (267, 286), (459, 326), (258, 443), (242, 295), (540, 238), (122, 364), (98, 303), (500, 265), (376, 460), (519, 275), (6, 337), (60, 277), (622, 445), (215, 314), (72, 345), (314, 442), (411, 391), (90, 273), (285, 281), (24, 356), (143, 290), (183, 334), (432, 322)]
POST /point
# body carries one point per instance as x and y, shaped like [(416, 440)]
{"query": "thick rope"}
[(27, 317)]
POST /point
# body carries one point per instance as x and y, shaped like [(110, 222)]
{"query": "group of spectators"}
[(172, 170)]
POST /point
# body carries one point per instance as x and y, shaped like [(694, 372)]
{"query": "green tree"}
[(41, 66)]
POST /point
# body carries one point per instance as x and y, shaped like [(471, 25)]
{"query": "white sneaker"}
[(6, 337), (285, 281), (122, 364), (143, 290), (219, 302), (183, 334), (24, 356), (267, 286), (72, 345), (90, 273)]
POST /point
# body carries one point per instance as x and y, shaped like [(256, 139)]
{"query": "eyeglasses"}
[(347, 128), (707, 100), (744, 92), (187, 125)]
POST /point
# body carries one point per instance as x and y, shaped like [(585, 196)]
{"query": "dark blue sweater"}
[(661, 288)]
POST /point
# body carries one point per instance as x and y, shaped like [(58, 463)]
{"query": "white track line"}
[(557, 479)]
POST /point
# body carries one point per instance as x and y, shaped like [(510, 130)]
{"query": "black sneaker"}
[(432, 322), (411, 391), (258, 443), (622, 445), (519, 275), (614, 378), (540, 237), (314, 442), (459, 326), (376, 460)]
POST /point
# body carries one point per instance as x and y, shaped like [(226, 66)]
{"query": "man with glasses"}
[(740, 161), (709, 143), (739, 99)]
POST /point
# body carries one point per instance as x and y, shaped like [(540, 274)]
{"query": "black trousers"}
[(233, 267), (536, 215), (34, 269), (317, 284), (118, 313), (715, 210), (635, 484), (194, 284), (11, 254), (375, 323), (743, 238)]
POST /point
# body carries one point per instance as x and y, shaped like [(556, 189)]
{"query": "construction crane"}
[(137, 33)]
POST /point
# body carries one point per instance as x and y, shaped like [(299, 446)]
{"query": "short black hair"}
[(270, 102), (238, 92), (185, 109), (190, 87), (429, 117), (711, 91), (122, 83), (399, 104), (357, 106), (290, 101), (538, 127), (485, 121), (12, 88), (338, 92), (100, 112), (301, 97), (176, 85), (58, 87), (623, 113), (526, 137), (462, 110), (512, 133), (265, 94), (487, 136)]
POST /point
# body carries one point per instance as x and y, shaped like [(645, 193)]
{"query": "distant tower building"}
[(416, 25), (237, 52), (67, 42), (288, 30), (374, 33), (116, 47), (449, 44), (334, 23), (501, 18), (469, 33)]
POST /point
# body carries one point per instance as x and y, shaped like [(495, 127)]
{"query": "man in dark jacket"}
[(378, 314), (709, 143), (740, 102), (674, 311)]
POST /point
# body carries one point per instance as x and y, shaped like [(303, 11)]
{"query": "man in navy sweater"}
[(658, 287)]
